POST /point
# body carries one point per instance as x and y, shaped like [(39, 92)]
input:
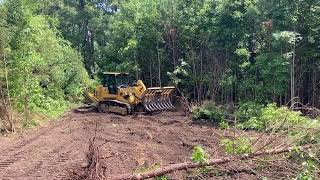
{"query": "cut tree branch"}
[(191, 165)]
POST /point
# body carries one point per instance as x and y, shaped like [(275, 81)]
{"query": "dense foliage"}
[(208, 111), (272, 117), (267, 51), (40, 71), (254, 116), (236, 50)]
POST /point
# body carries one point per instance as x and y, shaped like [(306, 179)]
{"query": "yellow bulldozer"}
[(119, 93)]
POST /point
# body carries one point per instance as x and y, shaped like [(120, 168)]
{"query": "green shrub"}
[(199, 155), (224, 125), (272, 117), (252, 124), (307, 133), (208, 111), (238, 146), (309, 161), (45, 74), (248, 110), (30, 123), (93, 83), (308, 172)]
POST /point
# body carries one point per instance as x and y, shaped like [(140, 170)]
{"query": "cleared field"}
[(127, 144)]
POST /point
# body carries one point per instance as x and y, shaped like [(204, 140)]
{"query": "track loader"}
[(119, 94)]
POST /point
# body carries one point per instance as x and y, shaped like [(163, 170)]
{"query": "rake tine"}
[(159, 101), (147, 108), (147, 101), (158, 106), (151, 99), (151, 106), (163, 106), (170, 104), (168, 99), (154, 108), (146, 105), (166, 106), (164, 99)]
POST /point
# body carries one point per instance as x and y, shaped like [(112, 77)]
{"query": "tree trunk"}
[(190, 165), (9, 106), (292, 74), (159, 64), (150, 73)]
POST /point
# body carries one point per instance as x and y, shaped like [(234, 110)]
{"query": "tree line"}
[(229, 51)]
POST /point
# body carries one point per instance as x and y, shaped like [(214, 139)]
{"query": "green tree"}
[(45, 73)]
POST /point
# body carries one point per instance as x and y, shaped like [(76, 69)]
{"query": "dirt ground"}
[(127, 144)]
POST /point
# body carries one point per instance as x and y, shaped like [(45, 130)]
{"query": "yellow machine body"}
[(115, 95)]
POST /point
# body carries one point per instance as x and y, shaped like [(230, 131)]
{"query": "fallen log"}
[(191, 165)]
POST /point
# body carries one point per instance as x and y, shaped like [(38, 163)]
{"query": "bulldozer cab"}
[(113, 81)]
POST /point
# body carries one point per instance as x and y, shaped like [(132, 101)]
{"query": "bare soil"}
[(127, 144)]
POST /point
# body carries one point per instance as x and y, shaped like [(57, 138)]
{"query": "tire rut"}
[(46, 153)]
